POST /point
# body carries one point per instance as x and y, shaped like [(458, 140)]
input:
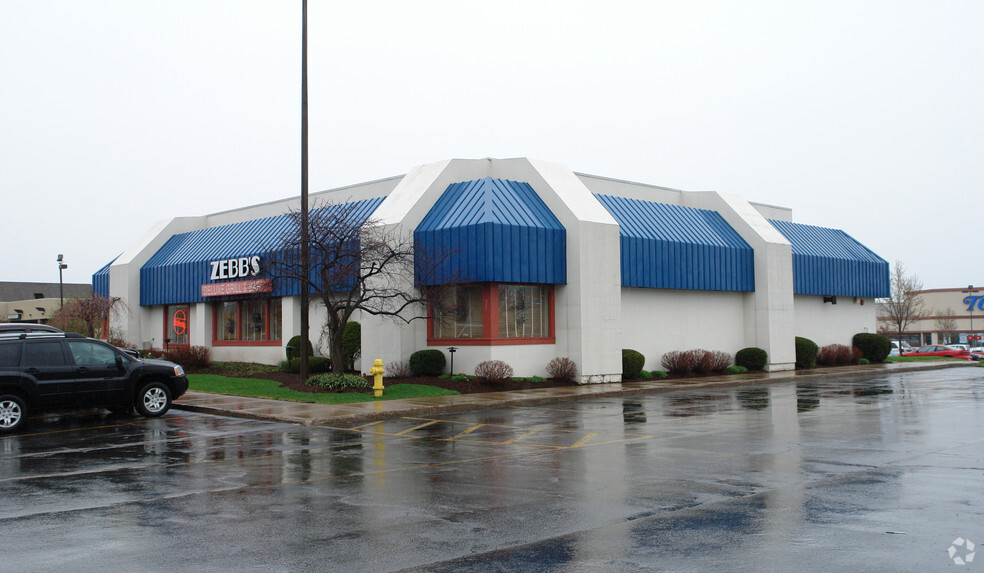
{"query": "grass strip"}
[(257, 388)]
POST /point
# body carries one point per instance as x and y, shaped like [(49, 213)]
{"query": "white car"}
[(958, 346)]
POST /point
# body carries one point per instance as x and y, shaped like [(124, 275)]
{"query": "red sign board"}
[(239, 287), (974, 337), (179, 322)]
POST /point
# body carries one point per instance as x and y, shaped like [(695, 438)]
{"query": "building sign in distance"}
[(179, 322), (235, 268), (237, 288), (971, 301)]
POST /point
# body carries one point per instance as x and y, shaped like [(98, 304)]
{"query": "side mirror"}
[(119, 362)]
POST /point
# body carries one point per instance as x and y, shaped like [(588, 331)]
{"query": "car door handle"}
[(32, 371), (81, 369)]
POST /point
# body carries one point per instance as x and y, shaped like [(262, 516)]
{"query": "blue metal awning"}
[(100, 279), (830, 262), (176, 272), (673, 247), (491, 230)]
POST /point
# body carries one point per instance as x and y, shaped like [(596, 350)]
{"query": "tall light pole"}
[(305, 262), (970, 300), (61, 288)]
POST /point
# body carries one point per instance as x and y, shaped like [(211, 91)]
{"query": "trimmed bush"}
[(351, 343), (737, 370), (874, 347), (806, 353), (494, 371), (632, 363), (752, 358), (293, 348), (316, 365), (658, 374), (427, 362), (864, 361), (338, 382), (838, 355), (562, 369)]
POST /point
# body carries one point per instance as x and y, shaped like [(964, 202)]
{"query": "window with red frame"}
[(176, 322), (247, 322), (495, 314)]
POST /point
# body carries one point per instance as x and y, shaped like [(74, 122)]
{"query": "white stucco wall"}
[(657, 321), (826, 323)]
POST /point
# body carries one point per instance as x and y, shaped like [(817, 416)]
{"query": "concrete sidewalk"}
[(326, 414)]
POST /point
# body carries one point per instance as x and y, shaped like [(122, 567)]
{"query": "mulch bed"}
[(294, 382)]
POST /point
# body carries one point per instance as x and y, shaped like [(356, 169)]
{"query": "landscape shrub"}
[(752, 358), (461, 378), (494, 371), (806, 353), (737, 370), (632, 363), (338, 382), (864, 361), (427, 362), (316, 365), (658, 374), (562, 369), (720, 361), (293, 348), (189, 356), (351, 343), (838, 355), (678, 363), (398, 369), (874, 347)]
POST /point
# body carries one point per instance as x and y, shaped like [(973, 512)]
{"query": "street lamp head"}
[(61, 257)]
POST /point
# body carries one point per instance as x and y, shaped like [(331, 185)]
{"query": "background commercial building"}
[(950, 316), (549, 263), (36, 302)]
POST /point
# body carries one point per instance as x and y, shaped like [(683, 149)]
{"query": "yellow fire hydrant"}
[(377, 372)]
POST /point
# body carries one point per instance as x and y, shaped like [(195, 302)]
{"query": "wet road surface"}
[(877, 474)]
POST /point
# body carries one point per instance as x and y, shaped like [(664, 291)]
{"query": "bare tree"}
[(946, 325), (356, 264), (89, 316), (905, 303)]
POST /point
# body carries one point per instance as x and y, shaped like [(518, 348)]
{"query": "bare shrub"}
[(562, 369), (399, 369), (701, 360), (189, 356), (494, 371), (677, 363), (720, 361), (839, 355)]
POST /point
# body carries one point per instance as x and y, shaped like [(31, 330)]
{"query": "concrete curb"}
[(327, 414)]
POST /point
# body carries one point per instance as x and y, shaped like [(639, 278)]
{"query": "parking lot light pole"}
[(61, 286), (970, 295)]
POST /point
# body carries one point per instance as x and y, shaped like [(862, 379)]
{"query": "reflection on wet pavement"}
[(879, 473)]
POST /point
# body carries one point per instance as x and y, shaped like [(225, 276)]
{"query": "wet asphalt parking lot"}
[(877, 474)]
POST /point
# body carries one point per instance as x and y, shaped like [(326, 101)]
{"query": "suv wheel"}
[(13, 412), (153, 400)]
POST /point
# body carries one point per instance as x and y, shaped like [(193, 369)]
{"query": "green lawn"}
[(269, 389)]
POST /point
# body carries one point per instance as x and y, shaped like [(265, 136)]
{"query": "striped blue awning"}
[(673, 247), (176, 272), (100, 279), (491, 230), (830, 262)]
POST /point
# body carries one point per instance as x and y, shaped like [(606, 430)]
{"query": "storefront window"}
[(463, 315), (227, 321), (523, 311), (518, 314), (176, 324), (249, 321)]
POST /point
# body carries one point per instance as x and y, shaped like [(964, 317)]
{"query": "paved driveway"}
[(876, 474)]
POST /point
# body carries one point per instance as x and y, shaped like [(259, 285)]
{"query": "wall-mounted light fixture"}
[(830, 299)]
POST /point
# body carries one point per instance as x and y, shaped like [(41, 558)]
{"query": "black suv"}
[(52, 371)]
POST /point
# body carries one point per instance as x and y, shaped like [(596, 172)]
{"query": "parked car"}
[(938, 350), (43, 371), (26, 327), (958, 347), (895, 348)]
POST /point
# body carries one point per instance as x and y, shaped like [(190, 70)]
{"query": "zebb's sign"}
[(235, 268)]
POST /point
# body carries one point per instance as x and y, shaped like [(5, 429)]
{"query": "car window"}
[(47, 353), (14, 329), (87, 353), (9, 355)]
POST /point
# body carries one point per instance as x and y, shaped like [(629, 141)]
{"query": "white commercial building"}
[(547, 262)]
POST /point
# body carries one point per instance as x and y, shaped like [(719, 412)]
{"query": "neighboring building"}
[(551, 263), (951, 315), (36, 302)]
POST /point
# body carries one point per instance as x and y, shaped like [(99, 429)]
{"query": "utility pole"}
[(305, 251)]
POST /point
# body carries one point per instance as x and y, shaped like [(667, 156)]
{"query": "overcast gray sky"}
[(860, 115)]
